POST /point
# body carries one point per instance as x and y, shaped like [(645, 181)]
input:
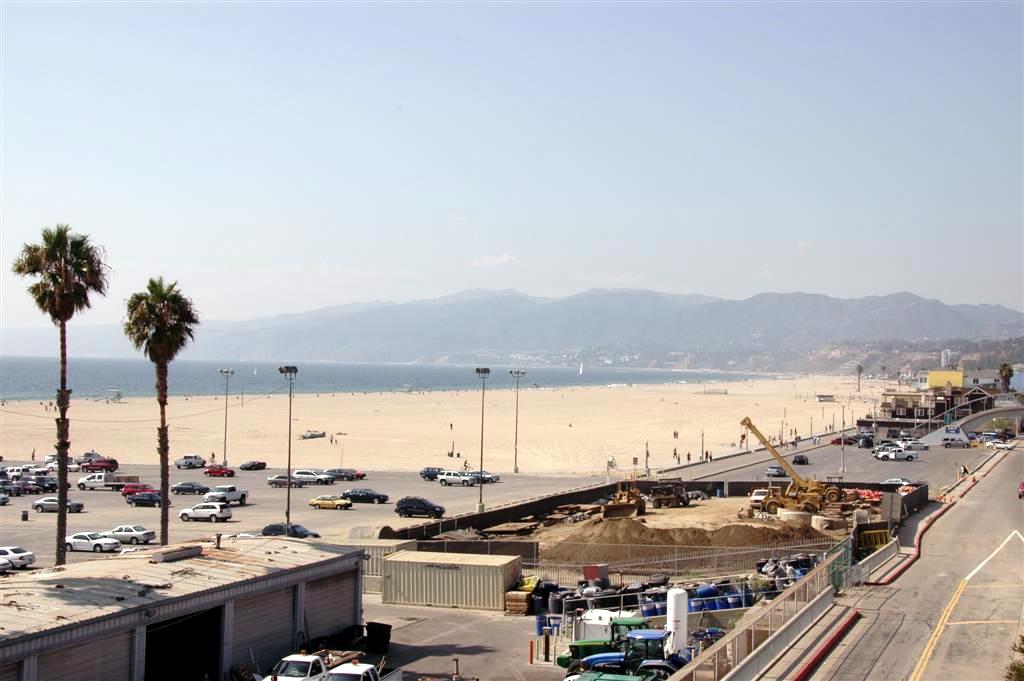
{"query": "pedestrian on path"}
[(687, 457)]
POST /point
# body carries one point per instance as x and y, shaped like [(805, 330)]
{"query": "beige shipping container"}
[(377, 549), (454, 580)]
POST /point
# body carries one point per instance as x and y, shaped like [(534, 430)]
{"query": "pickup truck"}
[(106, 481), (330, 665), (190, 461), (225, 494)]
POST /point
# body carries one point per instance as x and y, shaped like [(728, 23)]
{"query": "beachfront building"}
[(922, 411), (128, 618)]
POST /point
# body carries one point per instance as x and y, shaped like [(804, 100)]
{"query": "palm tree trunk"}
[(163, 449), (63, 445)]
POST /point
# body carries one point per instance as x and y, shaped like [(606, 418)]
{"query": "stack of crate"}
[(517, 602)]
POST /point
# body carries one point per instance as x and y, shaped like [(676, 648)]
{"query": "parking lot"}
[(105, 509)]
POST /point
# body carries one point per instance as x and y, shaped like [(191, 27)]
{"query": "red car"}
[(100, 465), (136, 488), (219, 472), (839, 441)]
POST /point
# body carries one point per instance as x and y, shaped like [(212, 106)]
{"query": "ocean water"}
[(37, 377)]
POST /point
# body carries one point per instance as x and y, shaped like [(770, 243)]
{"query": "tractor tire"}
[(833, 494), (770, 506), (808, 507)]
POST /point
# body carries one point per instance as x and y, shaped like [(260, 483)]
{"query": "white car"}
[(896, 454), (131, 534), (5, 566), (897, 481), (17, 556), (996, 444), (312, 477), (73, 467), (91, 541), (913, 445), (212, 512), (457, 478)]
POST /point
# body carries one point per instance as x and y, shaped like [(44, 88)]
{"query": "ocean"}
[(89, 378)]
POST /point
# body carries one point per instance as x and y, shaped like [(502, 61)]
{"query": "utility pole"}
[(289, 373), (842, 445), (517, 373), (482, 373), (227, 373)]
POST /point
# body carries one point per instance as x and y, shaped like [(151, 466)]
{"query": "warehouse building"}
[(129, 618)]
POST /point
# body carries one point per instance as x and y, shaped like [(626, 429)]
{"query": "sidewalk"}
[(790, 663)]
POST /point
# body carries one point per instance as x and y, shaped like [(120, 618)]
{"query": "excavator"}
[(627, 502), (802, 494)]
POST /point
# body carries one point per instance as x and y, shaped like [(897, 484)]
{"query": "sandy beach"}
[(563, 431)]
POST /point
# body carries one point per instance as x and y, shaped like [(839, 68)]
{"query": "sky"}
[(275, 157)]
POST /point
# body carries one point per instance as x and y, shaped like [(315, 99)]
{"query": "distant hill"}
[(508, 324)]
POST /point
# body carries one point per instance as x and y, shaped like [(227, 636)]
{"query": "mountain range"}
[(507, 324)]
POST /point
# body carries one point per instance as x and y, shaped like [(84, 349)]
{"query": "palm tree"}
[(69, 268), (860, 370), (1005, 374), (160, 323)]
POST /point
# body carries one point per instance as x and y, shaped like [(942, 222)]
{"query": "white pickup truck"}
[(105, 481), (329, 665), (225, 494)]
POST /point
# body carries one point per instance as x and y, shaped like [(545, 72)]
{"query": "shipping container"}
[(377, 549), (455, 580)]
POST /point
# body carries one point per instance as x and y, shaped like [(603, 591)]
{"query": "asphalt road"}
[(936, 466), (105, 510), (955, 613)]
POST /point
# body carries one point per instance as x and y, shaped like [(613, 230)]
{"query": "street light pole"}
[(483, 373), (842, 444), (289, 373), (227, 374), (517, 374)]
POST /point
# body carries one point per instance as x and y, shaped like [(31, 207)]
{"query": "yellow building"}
[(939, 379)]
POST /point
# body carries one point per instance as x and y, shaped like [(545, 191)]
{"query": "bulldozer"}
[(627, 502), (801, 494)]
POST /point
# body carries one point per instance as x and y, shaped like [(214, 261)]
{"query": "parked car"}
[(485, 476), (999, 445), (131, 534), (218, 471), (884, 447), (897, 481), (72, 466), (362, 495), (312, 477), (95, 465), (90, 541), (913, 445), (447, 478), (49, 504), (152, 499), (841, 440), (410, 506), (17, 556), (897, 454), (950, 442), (430, 473), (190, 461), (5, 566), (106, 481), (135, 488), (189, 487), (213, 512), (345, 474), (294, 530), (4, 499), (775, 471), (225, 494), (801, 460), (28, 486), (333, 501), (44, 482), (282, 481), (254, 466), (865, 442), (88, 456)]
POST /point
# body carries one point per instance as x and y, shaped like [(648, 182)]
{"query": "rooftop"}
[(39, 600), (438, 558)]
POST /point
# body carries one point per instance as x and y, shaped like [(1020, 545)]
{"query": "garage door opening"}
[(189, 645)]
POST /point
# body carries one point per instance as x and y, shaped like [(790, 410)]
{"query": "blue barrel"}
[(710, 604), (694, 605), (542, 621), (648, 609), (662, 607), (748, 599), (735, 601), (707, 591), (723, 603), (555, 622)]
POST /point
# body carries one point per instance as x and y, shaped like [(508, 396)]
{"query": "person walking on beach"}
[(687, 457)]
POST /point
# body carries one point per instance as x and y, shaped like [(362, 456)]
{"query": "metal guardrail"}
[(722, 657)]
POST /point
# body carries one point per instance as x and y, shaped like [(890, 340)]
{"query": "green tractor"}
[(570, 660)]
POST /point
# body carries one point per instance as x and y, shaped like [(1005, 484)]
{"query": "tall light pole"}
[(482, 373), (842, 444), (517, 374), (227, 374), (289, 373)]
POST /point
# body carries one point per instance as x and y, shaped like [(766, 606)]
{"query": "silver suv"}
[(457, 478), (211, 512)]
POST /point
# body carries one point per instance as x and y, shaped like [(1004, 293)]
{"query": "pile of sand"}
[(598, 534)]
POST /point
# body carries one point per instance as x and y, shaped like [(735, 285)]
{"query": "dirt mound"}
[(603, 538)]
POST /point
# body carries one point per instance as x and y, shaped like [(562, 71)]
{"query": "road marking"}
[(949, 624), (933, 640), (993, 554), (995, 586)]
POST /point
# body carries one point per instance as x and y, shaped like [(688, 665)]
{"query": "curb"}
[(926, 525), (825, 648)]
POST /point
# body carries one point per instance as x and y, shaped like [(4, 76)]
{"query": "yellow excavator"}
[(802, 494)]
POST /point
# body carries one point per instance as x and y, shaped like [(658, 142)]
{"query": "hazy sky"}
[(275, 157)]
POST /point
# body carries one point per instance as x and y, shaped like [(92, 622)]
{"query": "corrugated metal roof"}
[(376, 542), (437, 558), (38, 600)]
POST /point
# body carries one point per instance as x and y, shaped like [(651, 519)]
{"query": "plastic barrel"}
[(707, 591), (540, 605), (555, 603), (735, 601), (661, 607), (694, 605), (648, 609), (541, 622)]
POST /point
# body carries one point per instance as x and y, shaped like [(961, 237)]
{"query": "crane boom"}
[(797, 481)]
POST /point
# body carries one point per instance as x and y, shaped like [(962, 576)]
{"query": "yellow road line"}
[(929, 648), (982, 622), (995, 586)]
